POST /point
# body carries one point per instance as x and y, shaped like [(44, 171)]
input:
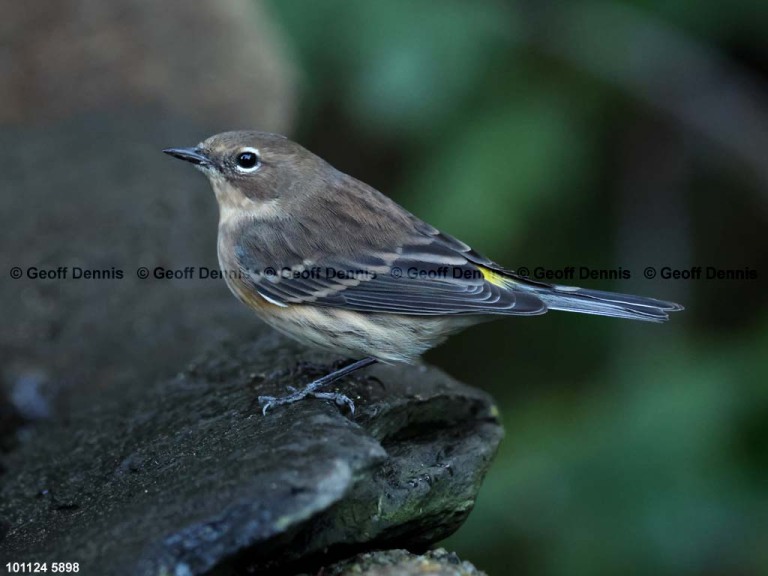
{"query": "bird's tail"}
[(600, 303)]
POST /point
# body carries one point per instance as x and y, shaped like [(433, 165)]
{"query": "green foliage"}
[(396, 68), (644, 474), (485, 180)]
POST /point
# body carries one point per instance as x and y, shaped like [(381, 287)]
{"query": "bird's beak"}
[(190, 155)]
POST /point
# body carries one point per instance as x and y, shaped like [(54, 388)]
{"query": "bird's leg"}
[(313, 388)]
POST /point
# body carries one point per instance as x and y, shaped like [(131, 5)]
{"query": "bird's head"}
[(255, 171)]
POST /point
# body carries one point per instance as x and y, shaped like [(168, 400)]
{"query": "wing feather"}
[(433, 274)]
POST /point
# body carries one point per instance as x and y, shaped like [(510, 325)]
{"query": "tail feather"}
[(600, 303)]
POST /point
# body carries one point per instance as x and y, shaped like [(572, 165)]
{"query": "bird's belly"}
[(388, 337)]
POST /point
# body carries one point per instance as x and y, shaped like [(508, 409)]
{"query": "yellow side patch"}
[(494, 277)]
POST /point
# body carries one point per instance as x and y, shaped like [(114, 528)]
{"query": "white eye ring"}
[(247, 160)]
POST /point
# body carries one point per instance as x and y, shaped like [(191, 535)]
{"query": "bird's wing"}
[(430, 274)]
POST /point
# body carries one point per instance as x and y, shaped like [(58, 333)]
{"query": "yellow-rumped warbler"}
[(332, 262)]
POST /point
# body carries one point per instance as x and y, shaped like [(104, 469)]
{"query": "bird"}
[(332, 262)]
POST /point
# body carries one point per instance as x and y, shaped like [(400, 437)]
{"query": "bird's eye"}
[(247, 160)]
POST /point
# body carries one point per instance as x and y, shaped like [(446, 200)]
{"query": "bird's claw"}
[(267, 402), (338, 398)]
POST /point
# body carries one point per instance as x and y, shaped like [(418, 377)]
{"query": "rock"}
[(438, 562), (186, 476), (92, 92), (107, 199)]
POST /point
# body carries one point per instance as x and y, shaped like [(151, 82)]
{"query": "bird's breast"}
[(237, 271)]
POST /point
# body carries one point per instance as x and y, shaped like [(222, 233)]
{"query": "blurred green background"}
[(599, 134)]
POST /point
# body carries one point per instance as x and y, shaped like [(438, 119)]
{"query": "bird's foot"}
[(313, 389), (267, 402)]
